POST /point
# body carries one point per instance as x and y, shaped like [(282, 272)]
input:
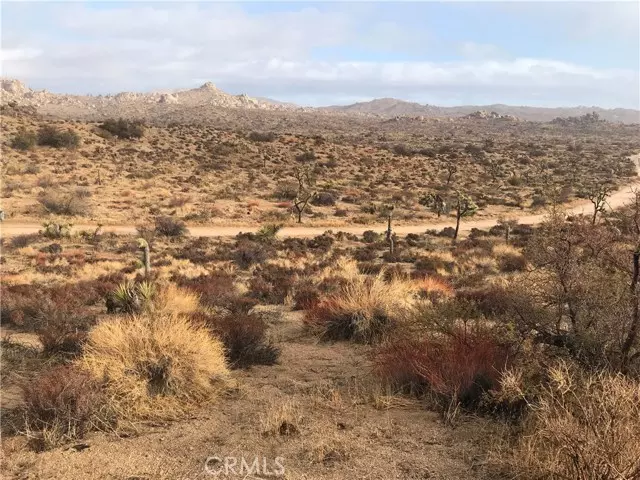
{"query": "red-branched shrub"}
[(215, 290), (396, 363), (62, 333), (61, 403), (461, 366), (272, 283)]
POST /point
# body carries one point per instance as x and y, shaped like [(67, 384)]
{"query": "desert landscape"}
[(196, 284)]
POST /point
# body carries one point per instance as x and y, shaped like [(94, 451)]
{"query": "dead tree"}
[(632, 333), (598, 195), (304, 176)]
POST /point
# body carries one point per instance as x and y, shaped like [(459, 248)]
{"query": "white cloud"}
[(141, 47), (478, 51)]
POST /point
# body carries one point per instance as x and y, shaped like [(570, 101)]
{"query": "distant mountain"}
[(391, 107), (196, 102), (129, 103)]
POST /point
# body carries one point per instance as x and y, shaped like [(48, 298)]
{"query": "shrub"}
[(248, 253), (369, 236), (491, 300), (366, 309), (122, 128), (63, 334), (272, 283), (24, 140), (457, 368), (61, 404), (286, 190), (52, 136), (434, 288), (155, 366), (306, 157), (402, 150), (510, 259), (268, 232), (21, 241), (219, 290), (582, 426), (323, 199), (170, 227), (62, 203), (262, 136), (306, 296), (54, 230), (245, 339)]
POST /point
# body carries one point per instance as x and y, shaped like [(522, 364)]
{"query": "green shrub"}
[(24, 140), (52, 136), (122, 128)]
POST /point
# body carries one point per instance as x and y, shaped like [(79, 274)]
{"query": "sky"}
[(441, 53)]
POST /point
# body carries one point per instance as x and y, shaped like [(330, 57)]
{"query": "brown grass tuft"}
[(582, 427), (155, 366), (365, 309)]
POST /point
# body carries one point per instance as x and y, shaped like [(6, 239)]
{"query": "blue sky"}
[(526, 53)]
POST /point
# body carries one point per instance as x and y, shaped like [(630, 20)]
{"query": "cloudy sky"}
[(452, 53)]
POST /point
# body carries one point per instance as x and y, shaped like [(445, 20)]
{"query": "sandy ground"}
[(616, 200), (346, 428)]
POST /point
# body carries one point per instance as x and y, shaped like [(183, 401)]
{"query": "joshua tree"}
[(465, 207), (146, 258), (597, 195), (452, 169), (304, 176), (494, 167), (434, 202), (389, 212), (508, 224)]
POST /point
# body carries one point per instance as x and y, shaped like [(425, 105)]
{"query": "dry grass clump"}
[(173, 300), (434, 288), (365, 309), (510, 259), (581, 427), (155, 365), (281, 418)]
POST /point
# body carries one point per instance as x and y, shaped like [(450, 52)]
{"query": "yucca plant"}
[(131, 297), (269, 231)]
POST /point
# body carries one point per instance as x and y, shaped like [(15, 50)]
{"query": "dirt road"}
[(617, 199)]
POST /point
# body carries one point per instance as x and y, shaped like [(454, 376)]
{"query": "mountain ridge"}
[(143, 104)]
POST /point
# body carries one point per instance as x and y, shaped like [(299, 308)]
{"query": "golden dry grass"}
[(582, 427), (281, 417), (365, 309), (155, 366), (172, 300), (431, 286)]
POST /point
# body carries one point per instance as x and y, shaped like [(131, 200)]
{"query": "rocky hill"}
[(391, 107), (131, 104), (206, 101)]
